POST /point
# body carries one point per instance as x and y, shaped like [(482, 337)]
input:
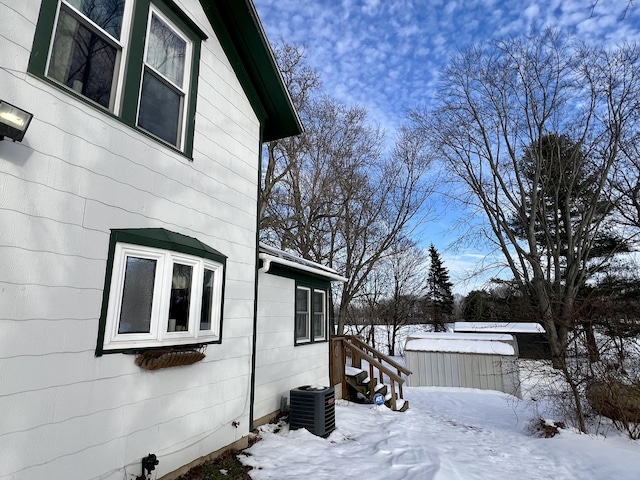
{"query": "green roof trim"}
[(292, 273), (167, 240), (240, 32)]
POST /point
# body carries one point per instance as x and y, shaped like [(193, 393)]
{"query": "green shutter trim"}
[(193, 100), (133, 64), (42, 38), (102, 324)]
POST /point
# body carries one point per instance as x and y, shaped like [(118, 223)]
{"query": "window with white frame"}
[(164, 79), (137, 59), (319, 321), (88, 46), (159, 297), (311, 314), (303, 314)]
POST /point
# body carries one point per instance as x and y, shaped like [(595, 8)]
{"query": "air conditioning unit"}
[(313, 408)]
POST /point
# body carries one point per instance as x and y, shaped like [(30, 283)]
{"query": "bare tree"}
[(332, 196), (500, 98), (403, 304), (281, 155)]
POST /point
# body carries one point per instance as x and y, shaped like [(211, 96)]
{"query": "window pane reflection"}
[(318, 314), (302, 313), (180, 297), (166, 51), (160, 109), (105, 13), (207, 299), (137, 295), (82, 60)]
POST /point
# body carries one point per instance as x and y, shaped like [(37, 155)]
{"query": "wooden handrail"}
[(376, 359), (373, 362), (380, 355)]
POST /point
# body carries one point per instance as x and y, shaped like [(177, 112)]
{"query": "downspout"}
[(252, 393), (266, 264)]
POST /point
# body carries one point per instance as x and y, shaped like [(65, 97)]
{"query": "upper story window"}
[(137, 60), (311, 314), (87, 48), (161, 289), (164, 80)]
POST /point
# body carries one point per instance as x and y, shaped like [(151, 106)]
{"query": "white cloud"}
[(370, 6), (385, 55)]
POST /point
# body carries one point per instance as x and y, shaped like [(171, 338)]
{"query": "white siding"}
[(77, 174), (281, 366)]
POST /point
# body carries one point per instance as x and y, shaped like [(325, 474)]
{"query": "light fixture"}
[(13, 121)]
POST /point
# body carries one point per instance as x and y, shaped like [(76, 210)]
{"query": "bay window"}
[(162, 289)]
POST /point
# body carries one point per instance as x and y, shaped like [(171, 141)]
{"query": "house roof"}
[(273, 255), (240, 32)]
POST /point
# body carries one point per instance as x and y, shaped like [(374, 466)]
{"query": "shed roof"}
[(498, 327), (461, 343)]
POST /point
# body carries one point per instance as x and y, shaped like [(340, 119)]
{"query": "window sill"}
[(308, 342)]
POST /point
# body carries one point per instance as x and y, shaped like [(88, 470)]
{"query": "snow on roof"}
[(461, 343), (498, 327), (275, 255)]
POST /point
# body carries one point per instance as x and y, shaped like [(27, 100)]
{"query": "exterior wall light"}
[(13, 121)]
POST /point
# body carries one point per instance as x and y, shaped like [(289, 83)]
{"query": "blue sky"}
[(385, 55)]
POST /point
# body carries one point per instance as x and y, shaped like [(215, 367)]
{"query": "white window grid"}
[(158, 334)]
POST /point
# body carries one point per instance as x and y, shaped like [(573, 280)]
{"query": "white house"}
[(128, 238)]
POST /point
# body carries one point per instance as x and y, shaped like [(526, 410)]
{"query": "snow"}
[(352, 371), (447, 434), (498, 327), (461, 343)]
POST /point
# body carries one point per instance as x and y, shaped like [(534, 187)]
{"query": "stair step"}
[(360, 376), (401, 405), (358, 384), (381, 388)]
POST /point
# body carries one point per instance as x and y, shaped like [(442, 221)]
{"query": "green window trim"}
[(167, 243), (312, 288), (126, 111)]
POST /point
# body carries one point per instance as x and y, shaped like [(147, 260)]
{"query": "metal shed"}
[(472, 360)]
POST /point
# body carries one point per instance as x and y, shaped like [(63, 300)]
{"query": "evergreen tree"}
[(563, 184), (439, 294)]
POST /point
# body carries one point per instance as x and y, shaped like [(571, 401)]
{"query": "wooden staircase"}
[(348, 353)]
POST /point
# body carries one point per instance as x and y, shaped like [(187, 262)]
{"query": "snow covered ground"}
[(447, 434)]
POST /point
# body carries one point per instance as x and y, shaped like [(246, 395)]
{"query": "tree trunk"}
[(592, 345)]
